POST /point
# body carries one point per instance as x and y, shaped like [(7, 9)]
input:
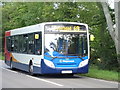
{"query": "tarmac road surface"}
[(20, 79)]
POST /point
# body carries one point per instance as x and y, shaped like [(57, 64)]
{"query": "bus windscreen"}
[(66, 45)]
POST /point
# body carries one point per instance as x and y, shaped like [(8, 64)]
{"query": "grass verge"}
[(94, 72), (1, 57)]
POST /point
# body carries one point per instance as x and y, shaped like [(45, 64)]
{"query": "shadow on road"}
[(58, 76), (50, 76)]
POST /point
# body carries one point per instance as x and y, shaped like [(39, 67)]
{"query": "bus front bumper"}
[(48, 70)]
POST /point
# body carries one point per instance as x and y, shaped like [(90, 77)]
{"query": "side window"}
[(8, 43), (16, 43), (12, 43), (31, 43), (25, 43), (21, 43), (81, 46), (85, 45), (38, 43)]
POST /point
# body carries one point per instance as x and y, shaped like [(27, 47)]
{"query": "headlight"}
[(83, 63), (49, 63)]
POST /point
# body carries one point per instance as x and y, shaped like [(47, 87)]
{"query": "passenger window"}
[(25, 43), (12, 43), (8, 43), (16, 44), (38, 43), (21, 43), (31, 43), (85, 46)]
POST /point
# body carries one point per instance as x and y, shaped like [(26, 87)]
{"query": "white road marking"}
[(44, 80), (36, 78), (9, 70)]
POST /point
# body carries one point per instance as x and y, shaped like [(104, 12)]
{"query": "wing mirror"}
[(92, 37)]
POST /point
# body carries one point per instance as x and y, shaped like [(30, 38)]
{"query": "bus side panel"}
[(6, 52), (21, 61), (37, 70), (25, 67), (20, 66)]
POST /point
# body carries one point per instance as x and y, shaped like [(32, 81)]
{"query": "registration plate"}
[(70, 71)]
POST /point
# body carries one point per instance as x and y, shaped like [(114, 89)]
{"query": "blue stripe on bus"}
[(63, 62), (47, 70)]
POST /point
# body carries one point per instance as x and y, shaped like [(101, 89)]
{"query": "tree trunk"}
[(117, 29), (108, 20), (115, 34)]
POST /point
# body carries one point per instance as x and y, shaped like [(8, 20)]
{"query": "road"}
[(21, 79)]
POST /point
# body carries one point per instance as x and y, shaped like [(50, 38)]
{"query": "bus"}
[(48, 48)]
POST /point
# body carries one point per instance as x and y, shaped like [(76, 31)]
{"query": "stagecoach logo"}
[(66, 61)]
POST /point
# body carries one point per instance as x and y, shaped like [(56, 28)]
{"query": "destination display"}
[(65, 27)]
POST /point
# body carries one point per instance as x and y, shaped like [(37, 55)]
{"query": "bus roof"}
[(49, 23), (35, 28)]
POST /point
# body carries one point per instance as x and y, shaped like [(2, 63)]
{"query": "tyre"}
[(11, 64), (5, 60), (70, 75), (31, 69)]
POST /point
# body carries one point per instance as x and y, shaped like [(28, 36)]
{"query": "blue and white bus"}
[(49, 48)]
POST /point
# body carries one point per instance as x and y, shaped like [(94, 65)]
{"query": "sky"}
[(111, 3)]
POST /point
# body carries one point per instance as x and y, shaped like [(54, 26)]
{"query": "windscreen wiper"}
[(81, 58), (52, 57), (64, 57), (77, 56)]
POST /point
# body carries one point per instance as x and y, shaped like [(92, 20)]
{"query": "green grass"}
[(1, 56), (94, 72)]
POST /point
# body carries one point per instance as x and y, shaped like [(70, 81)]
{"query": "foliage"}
[(16, 15), (105, 52), (1, 56)]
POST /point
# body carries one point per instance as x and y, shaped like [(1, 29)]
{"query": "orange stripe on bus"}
[(13, 59)]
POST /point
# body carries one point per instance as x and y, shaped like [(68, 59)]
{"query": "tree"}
[(117, 29), (26, 14), (115, 34), (0, 27)]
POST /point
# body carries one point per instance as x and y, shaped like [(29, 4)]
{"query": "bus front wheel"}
[(5, 59), (11, 64), (31, 69)]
